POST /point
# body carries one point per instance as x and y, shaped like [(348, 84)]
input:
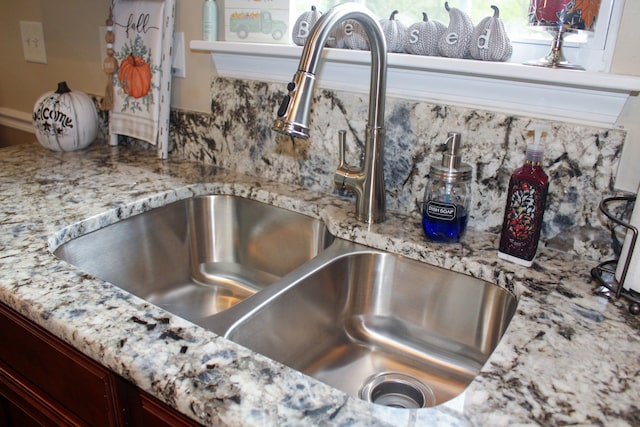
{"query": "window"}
[(590, 97), (513, 12), (593, 50)]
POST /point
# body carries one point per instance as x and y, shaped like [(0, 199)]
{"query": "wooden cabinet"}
[(146, 410), (44, 381)]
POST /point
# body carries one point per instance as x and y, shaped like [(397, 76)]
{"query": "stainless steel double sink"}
[(375, 325)]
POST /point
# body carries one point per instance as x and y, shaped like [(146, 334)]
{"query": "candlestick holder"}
[(555, 58), (561, 17)]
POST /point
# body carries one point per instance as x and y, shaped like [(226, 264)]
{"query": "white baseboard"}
[(16, 119)]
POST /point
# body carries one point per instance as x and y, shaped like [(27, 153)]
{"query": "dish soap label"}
[(441, 211)]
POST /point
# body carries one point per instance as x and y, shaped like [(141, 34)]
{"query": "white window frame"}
[(591, 97)]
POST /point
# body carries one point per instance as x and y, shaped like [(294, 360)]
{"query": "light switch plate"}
[(33, 42)]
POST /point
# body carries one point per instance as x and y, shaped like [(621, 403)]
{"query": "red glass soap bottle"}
[(526, 198)]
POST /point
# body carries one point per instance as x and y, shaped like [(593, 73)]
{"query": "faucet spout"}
[(366, 181)]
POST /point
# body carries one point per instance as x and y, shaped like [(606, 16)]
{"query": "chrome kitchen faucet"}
[(367, 180)]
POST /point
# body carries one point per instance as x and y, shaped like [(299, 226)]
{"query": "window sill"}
[(577, 96)]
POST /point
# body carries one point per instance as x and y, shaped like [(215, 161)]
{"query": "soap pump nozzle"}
[(451, 158), (535, 150), (451, 169)]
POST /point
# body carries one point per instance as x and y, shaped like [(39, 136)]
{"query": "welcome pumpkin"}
[(135, 76), (65, 120)]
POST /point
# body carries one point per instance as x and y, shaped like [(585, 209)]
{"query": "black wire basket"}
[(605, 272)]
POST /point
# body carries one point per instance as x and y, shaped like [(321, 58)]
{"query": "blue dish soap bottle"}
[(526, 199), (445, 211)]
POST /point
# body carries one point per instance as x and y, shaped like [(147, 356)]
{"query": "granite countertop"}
[(568, 356)]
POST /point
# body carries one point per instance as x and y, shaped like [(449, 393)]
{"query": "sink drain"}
[(397, 390)]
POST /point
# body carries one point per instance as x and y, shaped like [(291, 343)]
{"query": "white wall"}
[(626, 60)]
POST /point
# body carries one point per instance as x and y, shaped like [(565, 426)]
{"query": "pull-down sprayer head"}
[(294, 111), (293, 114)]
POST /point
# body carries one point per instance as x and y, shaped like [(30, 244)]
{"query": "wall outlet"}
[(33, 42)]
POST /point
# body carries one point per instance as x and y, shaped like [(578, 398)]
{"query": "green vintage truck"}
[(243, 23)]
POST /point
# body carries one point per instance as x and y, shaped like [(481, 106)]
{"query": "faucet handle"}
[(342, 149), (342, 141), (345, 174), (344, 171)]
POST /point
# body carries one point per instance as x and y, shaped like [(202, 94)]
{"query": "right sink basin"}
[(382, 327)]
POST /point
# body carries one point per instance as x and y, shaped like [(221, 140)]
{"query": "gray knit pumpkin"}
[(354, 36), (455, 41), (336, 38), (395, 33), (490, 41), (422, 37), (303, 25)]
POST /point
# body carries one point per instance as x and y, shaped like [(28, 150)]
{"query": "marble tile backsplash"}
[(581, 161)]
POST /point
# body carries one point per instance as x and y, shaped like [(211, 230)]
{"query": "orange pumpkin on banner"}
[(135, 76)]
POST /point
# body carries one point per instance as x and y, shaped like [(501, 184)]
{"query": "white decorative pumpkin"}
[(65, 120)]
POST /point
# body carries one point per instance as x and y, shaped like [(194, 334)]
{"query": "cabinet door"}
[(146, 410), (19, 408), (43, 374)]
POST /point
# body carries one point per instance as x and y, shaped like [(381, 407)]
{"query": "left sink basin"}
[(198, 257)]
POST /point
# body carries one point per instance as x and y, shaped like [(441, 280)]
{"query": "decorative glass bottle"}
[(524, 208)]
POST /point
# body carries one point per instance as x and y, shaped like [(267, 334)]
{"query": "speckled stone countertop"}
[(568, 357)]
